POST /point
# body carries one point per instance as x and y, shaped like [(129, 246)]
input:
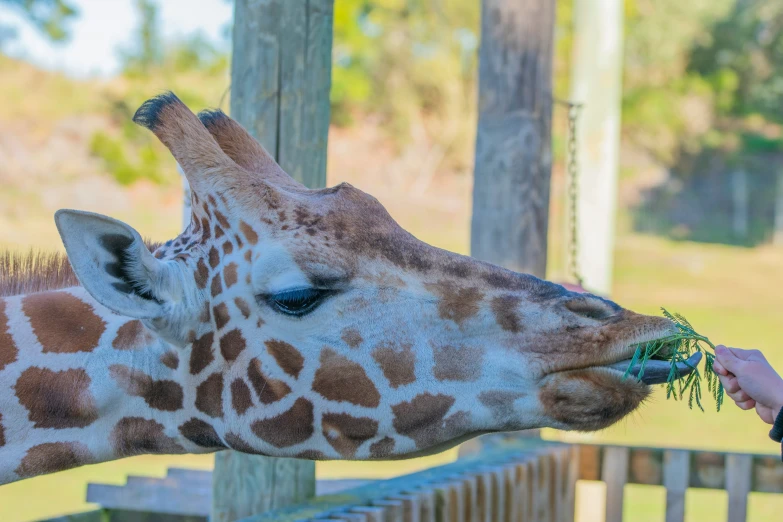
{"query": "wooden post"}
[(513, 141), (596, 82), (280, 81)]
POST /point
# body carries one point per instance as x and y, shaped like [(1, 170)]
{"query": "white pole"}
[(185, 198), (596, 82)]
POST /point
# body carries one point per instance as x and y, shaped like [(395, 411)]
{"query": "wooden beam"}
[(513, 141), (280, 82)]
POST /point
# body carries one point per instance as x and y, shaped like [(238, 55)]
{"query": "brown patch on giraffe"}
[(205, 314), (209, 396), (382, 449), (397, 361), (455, 304), (239, 241), (500, 403), (219, 232), (249, 256), (2, 432), (237, 443), (421, 419), (242, 306), (505, 309), (214, 257), (52, 457), (162, 395), (230, 274), (248, 232), (340, 379), (458, 423), (201, 275), (291, 427), (260, 323), (228, 247), (453, 363), (288, 358), (222, 219), (352, 337), (312, 455), (137, 436), (56, 400), (132, 336), (241, 399), (216, 287), (345, 433), (232, 344), (62, 322), (221, 315), (201, 434), (8, 350), (201, 353), (268, 390), (170, 360)]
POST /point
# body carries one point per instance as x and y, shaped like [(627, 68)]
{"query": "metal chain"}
[(572, 168)]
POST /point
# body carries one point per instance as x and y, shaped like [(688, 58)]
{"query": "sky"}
[(104, 26)]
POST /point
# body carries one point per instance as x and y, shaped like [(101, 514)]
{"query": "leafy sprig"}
[(678, 348)]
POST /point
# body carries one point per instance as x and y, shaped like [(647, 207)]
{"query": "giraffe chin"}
[(590, 399)]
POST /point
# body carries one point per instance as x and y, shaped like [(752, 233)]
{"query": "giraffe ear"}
[(114, 265)]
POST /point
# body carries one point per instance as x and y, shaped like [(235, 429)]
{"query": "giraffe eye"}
[(297, 302)]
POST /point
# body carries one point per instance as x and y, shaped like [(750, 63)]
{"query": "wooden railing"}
[(505, 479), (677, 470)]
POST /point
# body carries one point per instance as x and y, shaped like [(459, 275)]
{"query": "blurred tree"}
[(148, 49), (49, 16)]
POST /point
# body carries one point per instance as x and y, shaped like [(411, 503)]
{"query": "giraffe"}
[(289, 322)]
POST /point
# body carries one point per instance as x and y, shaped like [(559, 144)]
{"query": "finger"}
[(727, 359), (743, 355), (739, 396), (765, 413), (719, 369), (730, 384), (747, 405)]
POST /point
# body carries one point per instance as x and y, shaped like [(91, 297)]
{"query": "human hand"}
[(750, 381)]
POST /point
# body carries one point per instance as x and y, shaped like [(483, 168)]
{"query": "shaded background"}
[(700, 181)]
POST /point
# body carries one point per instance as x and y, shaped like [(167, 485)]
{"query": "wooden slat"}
[(615, 474), (484, 496), (393, 509), (509, 484), (574, 464), (590, 462), (523, 492), (373, 514), (676, 470), (179, 501), (544, 494), (411, 511), (768, 471), (738, 482)]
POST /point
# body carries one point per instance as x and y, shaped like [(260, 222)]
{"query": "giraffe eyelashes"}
[(298, 302)]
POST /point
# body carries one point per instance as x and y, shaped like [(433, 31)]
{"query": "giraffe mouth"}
[(656, 371)]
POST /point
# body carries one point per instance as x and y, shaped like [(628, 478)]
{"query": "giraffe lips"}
[(657, 371)]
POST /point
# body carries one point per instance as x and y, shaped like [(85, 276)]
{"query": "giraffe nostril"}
[(591, 308)]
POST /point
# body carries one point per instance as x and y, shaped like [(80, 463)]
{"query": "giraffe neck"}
[(80, 384)]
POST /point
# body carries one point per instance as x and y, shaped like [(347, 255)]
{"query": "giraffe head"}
[(313, 325)]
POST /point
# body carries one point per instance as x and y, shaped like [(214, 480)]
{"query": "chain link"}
[(572, 169)]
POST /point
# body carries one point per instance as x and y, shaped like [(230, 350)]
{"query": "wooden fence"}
[(508, 480)]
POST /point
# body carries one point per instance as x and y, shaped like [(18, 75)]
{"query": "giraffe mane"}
[(38, 271)]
